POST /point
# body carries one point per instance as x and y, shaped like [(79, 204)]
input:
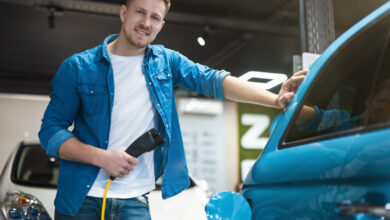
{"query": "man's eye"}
[(139, 12), (156, 18)]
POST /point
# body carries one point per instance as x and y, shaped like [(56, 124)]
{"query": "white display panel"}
[(204, 142)]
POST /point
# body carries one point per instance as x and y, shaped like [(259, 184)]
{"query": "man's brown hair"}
[(167, 4)]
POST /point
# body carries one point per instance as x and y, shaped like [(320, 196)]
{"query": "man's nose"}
[(145, 22)]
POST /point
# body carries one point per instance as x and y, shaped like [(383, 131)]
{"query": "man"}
[(115, 92)]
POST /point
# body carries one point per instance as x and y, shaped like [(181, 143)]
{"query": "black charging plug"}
[(148, 141)]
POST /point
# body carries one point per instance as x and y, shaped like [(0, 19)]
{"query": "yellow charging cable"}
[(104, 199)]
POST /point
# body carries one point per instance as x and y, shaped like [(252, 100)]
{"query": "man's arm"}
[(243, 91), (305, 115), (116, 162), (196, 77), (202, 79)]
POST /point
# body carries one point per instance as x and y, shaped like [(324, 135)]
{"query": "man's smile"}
[(142, 32)]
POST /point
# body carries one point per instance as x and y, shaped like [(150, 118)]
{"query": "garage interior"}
[(245, 35)]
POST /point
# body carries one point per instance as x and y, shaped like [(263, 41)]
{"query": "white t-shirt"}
[(133, 114)]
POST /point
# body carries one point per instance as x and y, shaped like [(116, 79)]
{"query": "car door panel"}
[(365, 179), (307, 175)]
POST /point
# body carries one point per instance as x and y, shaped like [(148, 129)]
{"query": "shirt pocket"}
[(94, 99), (164, 80)]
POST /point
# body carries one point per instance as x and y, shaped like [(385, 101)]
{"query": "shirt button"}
[(88, 186), (167, 126), (112, 93), (169, 74), (106, 142), (150, 83), (158, 105), (91, 91)]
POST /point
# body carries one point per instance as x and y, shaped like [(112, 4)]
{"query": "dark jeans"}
[(133, 209)]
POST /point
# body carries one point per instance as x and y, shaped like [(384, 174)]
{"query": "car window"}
[(342, 98), (33, 167)]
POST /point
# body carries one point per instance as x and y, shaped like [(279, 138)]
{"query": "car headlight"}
[(23, 206)]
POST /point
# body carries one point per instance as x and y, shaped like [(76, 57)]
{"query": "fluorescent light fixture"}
[(274, 79)]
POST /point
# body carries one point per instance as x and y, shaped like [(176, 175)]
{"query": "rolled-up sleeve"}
[(324, 120), (196, 77), (61, 110)]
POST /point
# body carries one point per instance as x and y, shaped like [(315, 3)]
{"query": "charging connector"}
[(148, 141)]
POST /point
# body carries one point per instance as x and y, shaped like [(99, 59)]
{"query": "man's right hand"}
[(117, 162)]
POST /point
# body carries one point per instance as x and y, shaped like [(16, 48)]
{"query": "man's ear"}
[(122, 12)]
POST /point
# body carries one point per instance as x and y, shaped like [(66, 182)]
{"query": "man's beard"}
[(132, 42)]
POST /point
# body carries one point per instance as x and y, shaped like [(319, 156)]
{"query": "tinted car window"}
[(341, 99), (33, 167)]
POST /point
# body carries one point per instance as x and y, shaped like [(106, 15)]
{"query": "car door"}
[(299, 174), (364, 191)]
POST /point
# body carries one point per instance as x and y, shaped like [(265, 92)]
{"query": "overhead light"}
[(202, 39), (54, 10)]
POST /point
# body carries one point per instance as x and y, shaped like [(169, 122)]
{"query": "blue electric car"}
[(329, 154)]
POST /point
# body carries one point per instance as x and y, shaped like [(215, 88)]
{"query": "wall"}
[(210, 137), (20, 120), (232, 144)]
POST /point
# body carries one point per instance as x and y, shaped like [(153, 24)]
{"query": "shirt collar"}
[(150, 51), (104, 52)]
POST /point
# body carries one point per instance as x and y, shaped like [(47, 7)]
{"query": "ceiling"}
[(245, 35)]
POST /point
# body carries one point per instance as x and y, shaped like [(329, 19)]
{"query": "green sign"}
[(254, 126)]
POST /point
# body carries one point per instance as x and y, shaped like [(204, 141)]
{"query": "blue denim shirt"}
[(326, 121), (83, 94)]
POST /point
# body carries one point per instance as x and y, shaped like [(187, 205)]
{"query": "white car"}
[(28, 185)]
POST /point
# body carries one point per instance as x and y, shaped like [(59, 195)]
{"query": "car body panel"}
[(366, 175), (307, 175)]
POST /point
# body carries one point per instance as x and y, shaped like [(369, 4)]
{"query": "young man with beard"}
[(115, 92)]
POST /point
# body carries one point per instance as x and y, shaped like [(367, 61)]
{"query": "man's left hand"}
[(289, 87)]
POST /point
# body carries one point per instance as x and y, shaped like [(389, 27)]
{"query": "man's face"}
[(379, 107), (142, 20)]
